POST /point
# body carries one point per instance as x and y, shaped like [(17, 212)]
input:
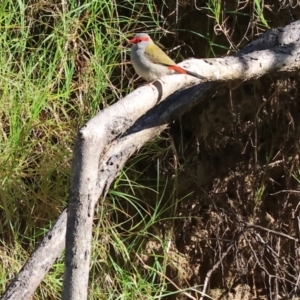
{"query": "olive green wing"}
[(157, 56)]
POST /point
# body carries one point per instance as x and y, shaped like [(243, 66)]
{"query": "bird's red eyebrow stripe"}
[(136, 40)]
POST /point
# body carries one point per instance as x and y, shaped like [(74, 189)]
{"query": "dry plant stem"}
[(268, 277), (272, 231), (173, 283), (102, 147), (296, 287), (214, 268)]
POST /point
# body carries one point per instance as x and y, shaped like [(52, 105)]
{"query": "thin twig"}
[(272, 231), (172, 282), (214, 268)]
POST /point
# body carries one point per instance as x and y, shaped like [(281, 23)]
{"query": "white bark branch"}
[(39, 262), (105, 143), (87, 187)]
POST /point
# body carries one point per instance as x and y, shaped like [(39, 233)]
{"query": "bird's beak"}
[(133, 41)]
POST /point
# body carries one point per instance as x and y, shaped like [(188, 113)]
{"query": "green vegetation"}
[(59, 65)]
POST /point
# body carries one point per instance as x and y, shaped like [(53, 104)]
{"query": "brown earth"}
[(235, 236)]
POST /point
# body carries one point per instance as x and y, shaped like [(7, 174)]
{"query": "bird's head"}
[(141, 40)]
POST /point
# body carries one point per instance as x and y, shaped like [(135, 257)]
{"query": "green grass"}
[(58, 67)]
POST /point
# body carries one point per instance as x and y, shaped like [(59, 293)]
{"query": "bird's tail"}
[(196, 75), (184, 71)]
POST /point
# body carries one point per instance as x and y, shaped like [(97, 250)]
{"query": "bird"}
[(152, 63)]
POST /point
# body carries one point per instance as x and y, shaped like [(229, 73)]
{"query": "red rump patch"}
[(177, 69)]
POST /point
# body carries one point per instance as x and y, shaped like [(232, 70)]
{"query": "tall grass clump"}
[(60, 62)]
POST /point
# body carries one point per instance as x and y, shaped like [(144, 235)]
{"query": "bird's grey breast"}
[(138, 59)]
